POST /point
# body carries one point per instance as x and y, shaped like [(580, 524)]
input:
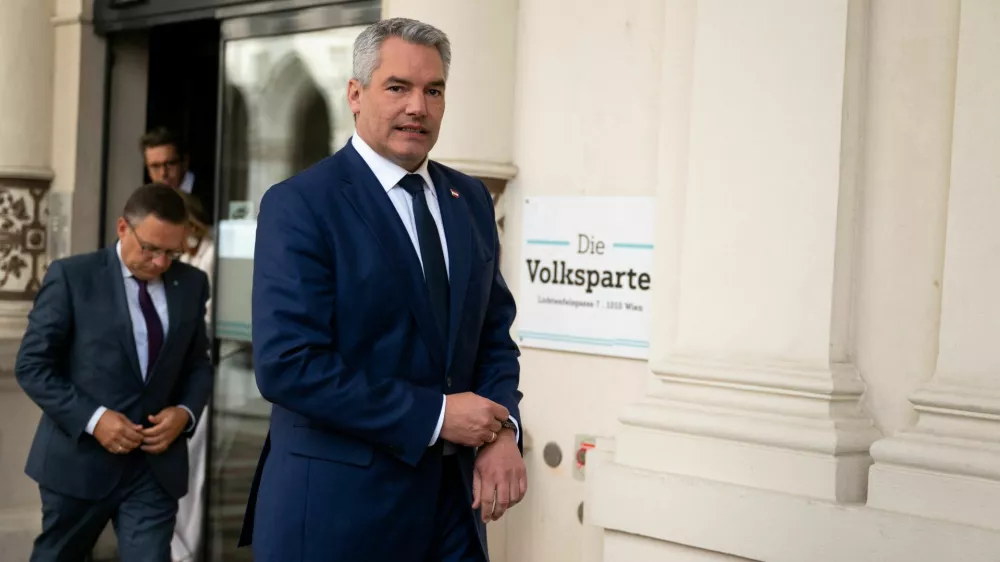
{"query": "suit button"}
[(448, 382)]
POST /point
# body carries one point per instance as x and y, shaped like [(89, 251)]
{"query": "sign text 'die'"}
[(585, 274), (558, 273)]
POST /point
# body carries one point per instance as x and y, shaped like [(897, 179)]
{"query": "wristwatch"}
[(508, 424)]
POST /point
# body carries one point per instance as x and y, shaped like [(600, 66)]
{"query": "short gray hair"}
[(367, 45)]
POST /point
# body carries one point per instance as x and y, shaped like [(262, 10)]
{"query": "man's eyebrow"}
[(397, 80)]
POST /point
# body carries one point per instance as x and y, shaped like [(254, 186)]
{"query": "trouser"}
[(455, 537), (141, 510)]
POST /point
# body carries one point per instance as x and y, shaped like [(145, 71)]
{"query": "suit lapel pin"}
[(176, 283), (454, 194)]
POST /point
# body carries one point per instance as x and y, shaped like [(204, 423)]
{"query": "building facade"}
[(822, 381)]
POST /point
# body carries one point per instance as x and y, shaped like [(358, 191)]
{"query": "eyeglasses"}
[(153, 250), (157, 166)]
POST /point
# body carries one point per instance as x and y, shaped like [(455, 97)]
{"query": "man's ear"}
[(121, 227), (354, 92)]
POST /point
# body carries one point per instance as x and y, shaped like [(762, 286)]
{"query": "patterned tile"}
[(23, 220)]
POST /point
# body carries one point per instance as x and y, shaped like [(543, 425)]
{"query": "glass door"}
[(283, 108)]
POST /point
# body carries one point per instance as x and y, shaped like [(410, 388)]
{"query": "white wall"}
[(836, 194), (585, 123)]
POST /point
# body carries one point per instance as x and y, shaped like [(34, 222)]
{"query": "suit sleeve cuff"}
[(440, 424), (92, 424), (191, 420)]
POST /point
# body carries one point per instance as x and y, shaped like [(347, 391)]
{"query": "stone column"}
[(26, 65), (26, 47), (947, 466), (760, 134), (477, 132)]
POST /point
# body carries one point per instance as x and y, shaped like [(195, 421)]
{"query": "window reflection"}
[(285, 108)]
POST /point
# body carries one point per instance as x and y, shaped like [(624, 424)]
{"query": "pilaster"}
[(752, 381), (947, 465)]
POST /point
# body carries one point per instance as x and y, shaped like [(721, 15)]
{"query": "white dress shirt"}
[(389, 174), (187, 184), (159, 296)]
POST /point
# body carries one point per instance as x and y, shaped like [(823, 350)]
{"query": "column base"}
[(781, 428), (13, 323), (952, 456), (18, 529), (753, 524)]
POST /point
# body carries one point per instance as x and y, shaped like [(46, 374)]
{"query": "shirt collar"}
[(118, 250), (188, 183), (386, 171)]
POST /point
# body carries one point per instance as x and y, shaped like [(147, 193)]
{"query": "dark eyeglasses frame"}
[(148, 248)]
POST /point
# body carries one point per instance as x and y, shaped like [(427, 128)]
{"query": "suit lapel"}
[(455, 216), (372, 203), (124, 319)]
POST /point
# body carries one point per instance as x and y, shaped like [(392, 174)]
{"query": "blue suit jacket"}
[(346, 348), (79, 353)]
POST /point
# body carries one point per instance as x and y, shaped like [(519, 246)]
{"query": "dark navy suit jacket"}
[(346, 348), (79, 354)]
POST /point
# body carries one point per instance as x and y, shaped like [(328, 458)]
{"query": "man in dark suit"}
[(381, 334), (116, 356)]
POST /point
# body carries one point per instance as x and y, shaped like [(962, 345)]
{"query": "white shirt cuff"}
[(190, 424), (440, 424), (92, 424), (517, 432)]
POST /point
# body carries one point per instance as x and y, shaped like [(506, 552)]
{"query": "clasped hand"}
[(499, 480), (120, 436)]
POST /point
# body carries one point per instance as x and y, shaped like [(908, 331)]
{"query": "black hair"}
[(159, 200), (161, 136)]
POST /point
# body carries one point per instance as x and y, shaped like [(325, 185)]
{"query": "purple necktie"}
[(154, 329)]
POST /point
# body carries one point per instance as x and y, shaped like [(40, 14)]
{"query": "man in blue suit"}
[(381, 334), (116, 357)]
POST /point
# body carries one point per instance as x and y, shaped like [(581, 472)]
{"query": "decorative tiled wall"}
[(23, 219)]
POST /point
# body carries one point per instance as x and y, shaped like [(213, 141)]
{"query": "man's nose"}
[(416, 104), (161, 261)]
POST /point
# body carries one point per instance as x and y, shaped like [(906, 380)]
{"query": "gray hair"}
[(367, 45)]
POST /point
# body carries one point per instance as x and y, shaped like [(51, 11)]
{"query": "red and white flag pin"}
[(454, 194)]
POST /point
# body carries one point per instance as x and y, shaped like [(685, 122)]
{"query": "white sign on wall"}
[(586, 274)]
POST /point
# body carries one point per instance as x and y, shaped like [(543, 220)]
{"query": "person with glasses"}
[(168, 162), (116, 356)]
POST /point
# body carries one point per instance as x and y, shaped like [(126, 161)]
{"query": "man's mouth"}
[(412, 129)]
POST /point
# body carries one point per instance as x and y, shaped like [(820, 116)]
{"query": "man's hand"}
[(471, 420), (117, 433), (167, 426), (499, 480)]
